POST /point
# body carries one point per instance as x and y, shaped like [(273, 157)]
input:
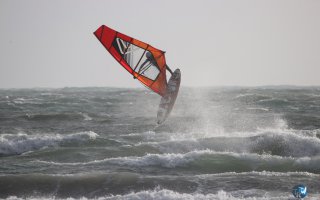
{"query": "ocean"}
[(103, 143)]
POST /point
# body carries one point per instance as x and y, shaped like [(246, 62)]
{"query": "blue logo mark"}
[(299, 191)]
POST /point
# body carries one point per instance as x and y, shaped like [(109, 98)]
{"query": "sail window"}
[(139, 59)]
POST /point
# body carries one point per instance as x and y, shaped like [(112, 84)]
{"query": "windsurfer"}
[(148, 62), (149, 67)]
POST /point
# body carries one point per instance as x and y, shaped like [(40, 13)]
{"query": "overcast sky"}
[(50, 43)]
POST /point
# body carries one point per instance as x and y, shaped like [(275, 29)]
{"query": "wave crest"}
[(14, 144)]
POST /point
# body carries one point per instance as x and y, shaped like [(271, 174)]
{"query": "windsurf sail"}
[(143, 61)]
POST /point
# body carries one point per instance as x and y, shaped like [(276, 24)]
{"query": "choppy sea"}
[(103, 143)]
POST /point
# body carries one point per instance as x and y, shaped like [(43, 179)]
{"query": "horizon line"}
[(186, 86)]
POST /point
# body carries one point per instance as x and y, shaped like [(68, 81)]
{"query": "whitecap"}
[(12, 144), (86, 116), (255, 108), (166, 194), (172, 160)]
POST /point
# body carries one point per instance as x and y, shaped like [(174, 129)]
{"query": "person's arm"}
[(143, 67), (143, 64)]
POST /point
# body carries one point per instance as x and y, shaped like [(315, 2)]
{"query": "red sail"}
[(140, 59)]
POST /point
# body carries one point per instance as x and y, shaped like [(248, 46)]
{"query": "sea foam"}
[(165, 194)]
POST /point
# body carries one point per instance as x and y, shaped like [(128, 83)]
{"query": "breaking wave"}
[(14, 144), (165, 194), (169, 194), (208, 161), (141, 186), (274, 141)]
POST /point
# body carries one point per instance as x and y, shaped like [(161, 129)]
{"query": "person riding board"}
[(148, 62)]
